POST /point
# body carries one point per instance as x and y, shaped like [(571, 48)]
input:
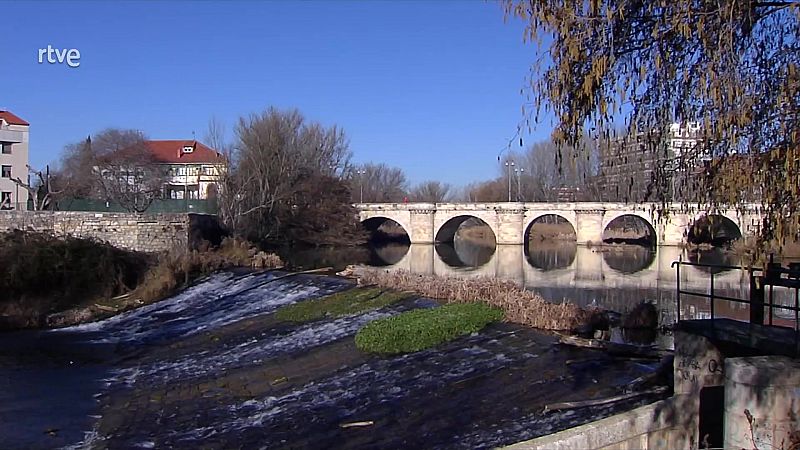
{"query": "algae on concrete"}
[(340, 304)]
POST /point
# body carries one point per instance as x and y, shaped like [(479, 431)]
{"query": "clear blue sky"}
[(431, 87)]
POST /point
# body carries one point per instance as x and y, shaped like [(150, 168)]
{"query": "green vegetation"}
[(425, 328), (352, 301)]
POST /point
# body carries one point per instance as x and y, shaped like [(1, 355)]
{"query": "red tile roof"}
[(11, 118), (172, 152)]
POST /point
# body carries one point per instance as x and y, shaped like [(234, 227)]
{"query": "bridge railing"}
[(762, 289)]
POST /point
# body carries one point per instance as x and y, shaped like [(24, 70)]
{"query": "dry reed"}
[(176, 269), (519, 305)]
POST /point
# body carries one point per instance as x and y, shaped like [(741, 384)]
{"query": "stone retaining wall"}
[(140, 232)]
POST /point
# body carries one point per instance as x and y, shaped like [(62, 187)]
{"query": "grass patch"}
[(419, 329), (340, 304)]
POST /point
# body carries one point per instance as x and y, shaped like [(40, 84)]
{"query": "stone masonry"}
[(139, 232)]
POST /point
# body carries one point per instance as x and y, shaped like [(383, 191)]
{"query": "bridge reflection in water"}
[(614, 277)]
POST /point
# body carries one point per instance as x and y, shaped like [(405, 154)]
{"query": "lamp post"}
[(509, 167), (361, 173), (519, 172)]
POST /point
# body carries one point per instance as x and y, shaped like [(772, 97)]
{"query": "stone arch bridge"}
[(427, 223)]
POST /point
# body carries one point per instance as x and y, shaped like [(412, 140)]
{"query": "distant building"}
[(193, 169), (629, 166), (13, 160)]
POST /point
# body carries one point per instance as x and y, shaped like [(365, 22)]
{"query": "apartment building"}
[(13, 160), (628, 165)]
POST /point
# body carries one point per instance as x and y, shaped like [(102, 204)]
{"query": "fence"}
[(158, 206), (762, 289)]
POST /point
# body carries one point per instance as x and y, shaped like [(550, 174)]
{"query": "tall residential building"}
[(628, 166), (13, 160)]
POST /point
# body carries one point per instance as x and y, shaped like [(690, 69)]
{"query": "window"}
[(188, 149), (6, 147), (5, 200), (6, 171)]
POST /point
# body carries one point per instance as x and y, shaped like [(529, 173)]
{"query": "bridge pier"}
[(422, 229), (510, 225), (589, 226)]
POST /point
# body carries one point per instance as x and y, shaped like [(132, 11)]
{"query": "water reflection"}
[(615, 277), (462, 253), (551, 255), (629, 258)]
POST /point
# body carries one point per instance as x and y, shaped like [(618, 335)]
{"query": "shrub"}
[(340, 304), (177, 268), (42, 274), (643, 315), (419, 329)]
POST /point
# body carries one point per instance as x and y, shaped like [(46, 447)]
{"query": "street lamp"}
[(519, 172), (509, 167), (361, 173)]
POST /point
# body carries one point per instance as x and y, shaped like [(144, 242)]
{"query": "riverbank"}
[(51, 281), (215, 366)]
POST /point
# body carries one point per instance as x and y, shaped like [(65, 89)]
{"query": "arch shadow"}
[(629, 259), (465, 241), (714, 229), (385, 230), (550, 242), (471, 227), (630, 229), (464, 254)]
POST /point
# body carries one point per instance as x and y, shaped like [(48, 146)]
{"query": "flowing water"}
[(211, 367)]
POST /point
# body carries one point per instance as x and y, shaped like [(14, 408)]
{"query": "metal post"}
[(712, 294), (756, 299), (509, 166), (678, 285)]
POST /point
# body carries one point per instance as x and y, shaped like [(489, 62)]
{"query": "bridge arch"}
[(626, 219), (555, 218), (446, 232), (375, 223), (714, 229)]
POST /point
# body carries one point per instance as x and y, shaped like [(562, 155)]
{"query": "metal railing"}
[(771, 276)]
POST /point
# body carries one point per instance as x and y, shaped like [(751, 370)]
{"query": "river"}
[(615, 277)]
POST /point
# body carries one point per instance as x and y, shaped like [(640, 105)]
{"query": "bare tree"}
[(114, 165), (131, 177), (42, 191), (280, 186), (378, 183), (431, 191)]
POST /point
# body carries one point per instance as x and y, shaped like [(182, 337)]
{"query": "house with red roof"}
[(13, 160), (193, 169)]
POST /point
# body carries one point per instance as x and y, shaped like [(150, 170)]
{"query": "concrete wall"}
[(140, 232), (510, 221), (653, 426), (667, 424)]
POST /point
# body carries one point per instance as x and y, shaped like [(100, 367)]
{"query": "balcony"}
[(11, 136)]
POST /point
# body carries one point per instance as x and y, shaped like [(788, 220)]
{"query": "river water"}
[(211, 367), (615, 277)]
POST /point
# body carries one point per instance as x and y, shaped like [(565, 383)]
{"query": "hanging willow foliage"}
[(638, 65)]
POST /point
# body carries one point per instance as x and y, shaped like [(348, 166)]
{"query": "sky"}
[(432, 87)]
